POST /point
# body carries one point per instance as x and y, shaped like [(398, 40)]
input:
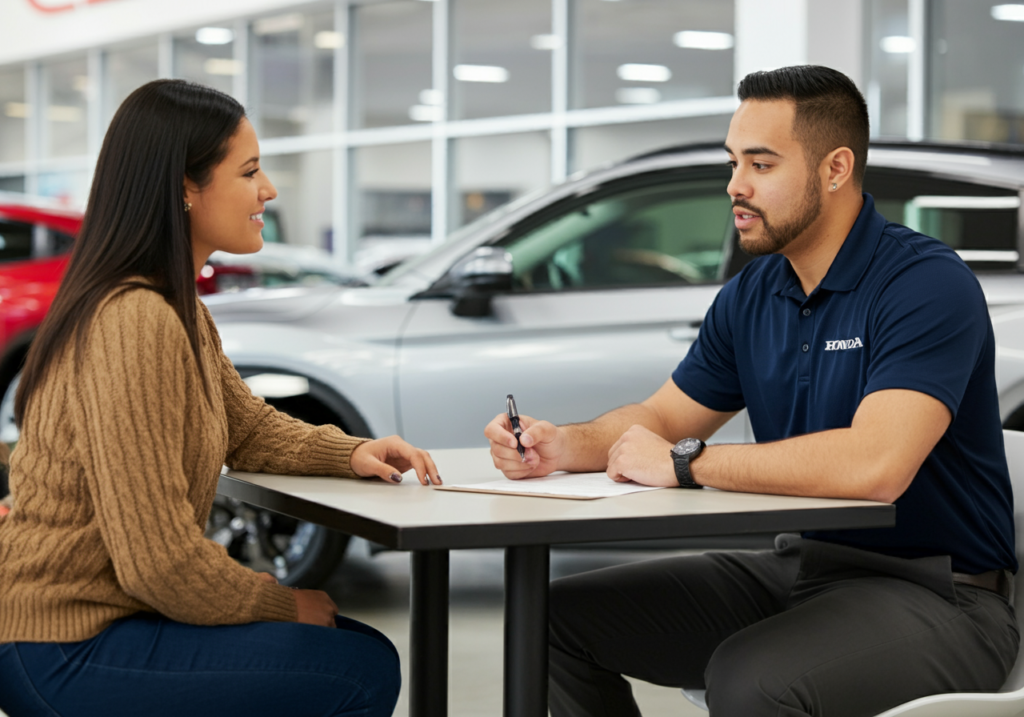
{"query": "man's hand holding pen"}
[(543, 445)]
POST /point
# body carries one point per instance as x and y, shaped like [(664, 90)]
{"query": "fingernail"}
[(439, 479), (396, 477)]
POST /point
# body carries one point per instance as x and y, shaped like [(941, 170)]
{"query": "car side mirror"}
[(477, 277)]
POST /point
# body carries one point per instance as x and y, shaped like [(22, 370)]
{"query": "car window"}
[(641, 232), (979, 221), (15, 241)]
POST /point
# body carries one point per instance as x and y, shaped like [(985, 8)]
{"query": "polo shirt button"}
[(807, 312), (806, 348)]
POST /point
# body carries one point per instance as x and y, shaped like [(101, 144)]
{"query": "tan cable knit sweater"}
[(115, 473)]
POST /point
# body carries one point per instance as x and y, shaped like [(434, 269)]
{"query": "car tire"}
[(298, 553)]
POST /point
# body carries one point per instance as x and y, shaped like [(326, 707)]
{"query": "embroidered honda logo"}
[(844, 344)]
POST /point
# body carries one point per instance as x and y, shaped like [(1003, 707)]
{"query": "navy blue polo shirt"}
[(896, 310)]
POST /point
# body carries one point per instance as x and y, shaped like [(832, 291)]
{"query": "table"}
[(430, 522)]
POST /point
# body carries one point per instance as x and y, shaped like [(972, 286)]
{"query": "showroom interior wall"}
[(396, 121)]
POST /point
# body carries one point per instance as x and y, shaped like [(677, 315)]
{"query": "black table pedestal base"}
[(428, 678), (526, 631)]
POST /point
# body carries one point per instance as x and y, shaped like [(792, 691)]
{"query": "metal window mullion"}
[(442, 187), (240, 53), (165, 56), (96, 63), (33, 126), (344, 196), (559, 91), (917, 70)]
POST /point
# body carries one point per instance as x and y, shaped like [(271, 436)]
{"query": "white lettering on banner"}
[(844, 344)]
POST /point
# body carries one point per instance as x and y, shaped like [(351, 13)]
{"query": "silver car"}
[(579, 300)]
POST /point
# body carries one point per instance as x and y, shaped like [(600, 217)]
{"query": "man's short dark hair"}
[(830, 110)]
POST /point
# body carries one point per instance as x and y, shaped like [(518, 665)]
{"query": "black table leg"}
[(526, 631), (428, 683)]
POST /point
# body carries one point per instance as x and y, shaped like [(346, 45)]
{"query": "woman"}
[(111, 600)]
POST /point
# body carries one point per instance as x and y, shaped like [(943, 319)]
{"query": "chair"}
[(1009, 700)]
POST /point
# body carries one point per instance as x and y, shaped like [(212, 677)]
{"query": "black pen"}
[(513, 417)]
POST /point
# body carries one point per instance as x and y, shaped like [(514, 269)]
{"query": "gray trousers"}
[(809, 629)]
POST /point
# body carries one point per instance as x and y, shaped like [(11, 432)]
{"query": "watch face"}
[(686, 446)]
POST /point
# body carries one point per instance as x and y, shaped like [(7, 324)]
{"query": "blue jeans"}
[(150, 665)]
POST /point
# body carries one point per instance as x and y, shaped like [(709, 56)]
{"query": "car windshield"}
[(412, 264)]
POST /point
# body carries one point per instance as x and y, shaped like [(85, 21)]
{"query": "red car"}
[(35, 240)]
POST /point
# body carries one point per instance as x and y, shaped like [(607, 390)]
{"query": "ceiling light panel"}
[(214, 35), (635, 72), (480, 73), (701, 40)]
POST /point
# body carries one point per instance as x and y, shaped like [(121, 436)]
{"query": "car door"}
[(609, 290), (981, 221)]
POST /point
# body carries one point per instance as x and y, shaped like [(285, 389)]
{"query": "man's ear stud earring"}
[(834, 187), (188, 205)]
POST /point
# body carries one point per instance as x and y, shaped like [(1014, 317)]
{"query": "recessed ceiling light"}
[(898, 44), (701, 40), (637, 95), (546, 42), (480, 73), (214, 35), (1011, 13), (17, 110), (328, 40), (222, 66), (634, 72)]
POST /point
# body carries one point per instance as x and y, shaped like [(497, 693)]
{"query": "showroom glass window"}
[(207, 56), (125, 70), (66, 91), (392, 215), (654, 230), (391, 77), (977, 71), (491, 171), (605, 144), (650, 51), (888, 52), (13, 112), (501, 58), (301, 214), (291, 74)]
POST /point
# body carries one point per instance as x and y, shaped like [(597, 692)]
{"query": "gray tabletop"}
[(410, 516)]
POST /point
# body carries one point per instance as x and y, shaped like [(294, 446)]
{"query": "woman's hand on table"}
[(388, 458)]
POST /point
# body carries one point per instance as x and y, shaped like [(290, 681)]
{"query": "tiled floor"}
[(376, 591)]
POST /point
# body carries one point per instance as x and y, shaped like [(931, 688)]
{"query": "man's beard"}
[(774, 239)]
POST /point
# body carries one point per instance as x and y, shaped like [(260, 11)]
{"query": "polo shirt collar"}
[(850, 263)]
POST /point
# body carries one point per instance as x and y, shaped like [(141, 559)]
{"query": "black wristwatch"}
[(682, 453)]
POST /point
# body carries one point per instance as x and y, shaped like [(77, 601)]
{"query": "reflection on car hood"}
[(294, 303)]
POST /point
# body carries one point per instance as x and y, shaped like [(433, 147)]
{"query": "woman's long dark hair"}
[(135, 223)]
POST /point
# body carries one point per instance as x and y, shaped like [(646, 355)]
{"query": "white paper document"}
[(579, 486)]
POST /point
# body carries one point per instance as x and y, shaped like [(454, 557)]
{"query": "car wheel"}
[(297, 553)]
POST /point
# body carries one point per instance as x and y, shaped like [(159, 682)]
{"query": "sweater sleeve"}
[(129, 432), (261, 439)]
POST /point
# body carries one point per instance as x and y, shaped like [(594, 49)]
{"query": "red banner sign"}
[(60, 5)]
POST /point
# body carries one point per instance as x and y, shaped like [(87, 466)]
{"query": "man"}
[(864, 355)]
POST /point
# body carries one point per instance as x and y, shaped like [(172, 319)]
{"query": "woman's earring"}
[(834, 188), (188, 205)]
